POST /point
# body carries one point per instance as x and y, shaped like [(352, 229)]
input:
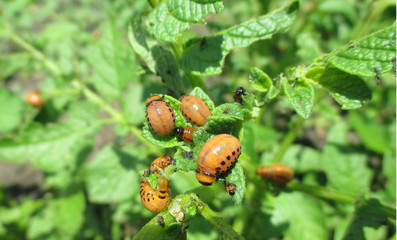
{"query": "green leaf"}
[(308, 48), (45, 146), (229, 109), (374, 135), (194, 11), (389, 170), (112, 61), (185, 161), (139, 44), (169, 19), (369, 56), (259, 80), (62, 217), (301, 96), (198, 92), (302, 159), (10, 113), (111, 176), (158, 59), (168, 141), (348, 90), (311, 218), (237, 177), (205, 56), (343, 165), (275, 89), (20, 213), (224, 124), (367, 215)]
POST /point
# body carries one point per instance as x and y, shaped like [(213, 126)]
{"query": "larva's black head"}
[(178, 131), (237, 95)]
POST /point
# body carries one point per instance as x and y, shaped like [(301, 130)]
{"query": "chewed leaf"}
[(237, 177), (168, 141), (193, 11), (370, 56), (185, 160), (301, 96), (229, 109), (205, 56), (175, 104)]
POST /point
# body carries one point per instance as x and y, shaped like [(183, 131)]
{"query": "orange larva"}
[(277, 172), (185, 133), (161, 162), (33, 98), (155, 200), (216, 156), (238, 95), (195, 110), (230, 188), (160, 116)]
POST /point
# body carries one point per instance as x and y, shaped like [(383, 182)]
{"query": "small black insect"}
[(160, 221), (377, 72)]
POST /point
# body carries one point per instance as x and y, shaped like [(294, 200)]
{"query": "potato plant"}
[(320, 98)]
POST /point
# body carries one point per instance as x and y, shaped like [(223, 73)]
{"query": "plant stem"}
[(322, 192), (37, 54), (214, 219), (288, 140), (93, 97)]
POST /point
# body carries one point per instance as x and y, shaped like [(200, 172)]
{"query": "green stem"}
[(214, 219), (322, 192), (119, 118), (37, 54), (288, 140)]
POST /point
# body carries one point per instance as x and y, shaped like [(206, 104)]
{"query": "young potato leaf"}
[(169, 19), (10, 113), (370, 56), (343, 165), (224, 124), (229, 109), (305, 208), (259, 80), (237, 177), (205, 56), (275, 89), (348, 90), (112, 62), (301, 96), (198, 92), (46, 146), (111, 176), (185, 160), (168, 141), (194, 11)]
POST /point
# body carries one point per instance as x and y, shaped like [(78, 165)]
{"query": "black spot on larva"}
[(153, 198), (238, 150), (163, 191), (170, 109), (218, 168), (234, 153), (148, 199), (194, 123), (162, 197), (190, 119), (148, 194), (228, 157), (223, 163)]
